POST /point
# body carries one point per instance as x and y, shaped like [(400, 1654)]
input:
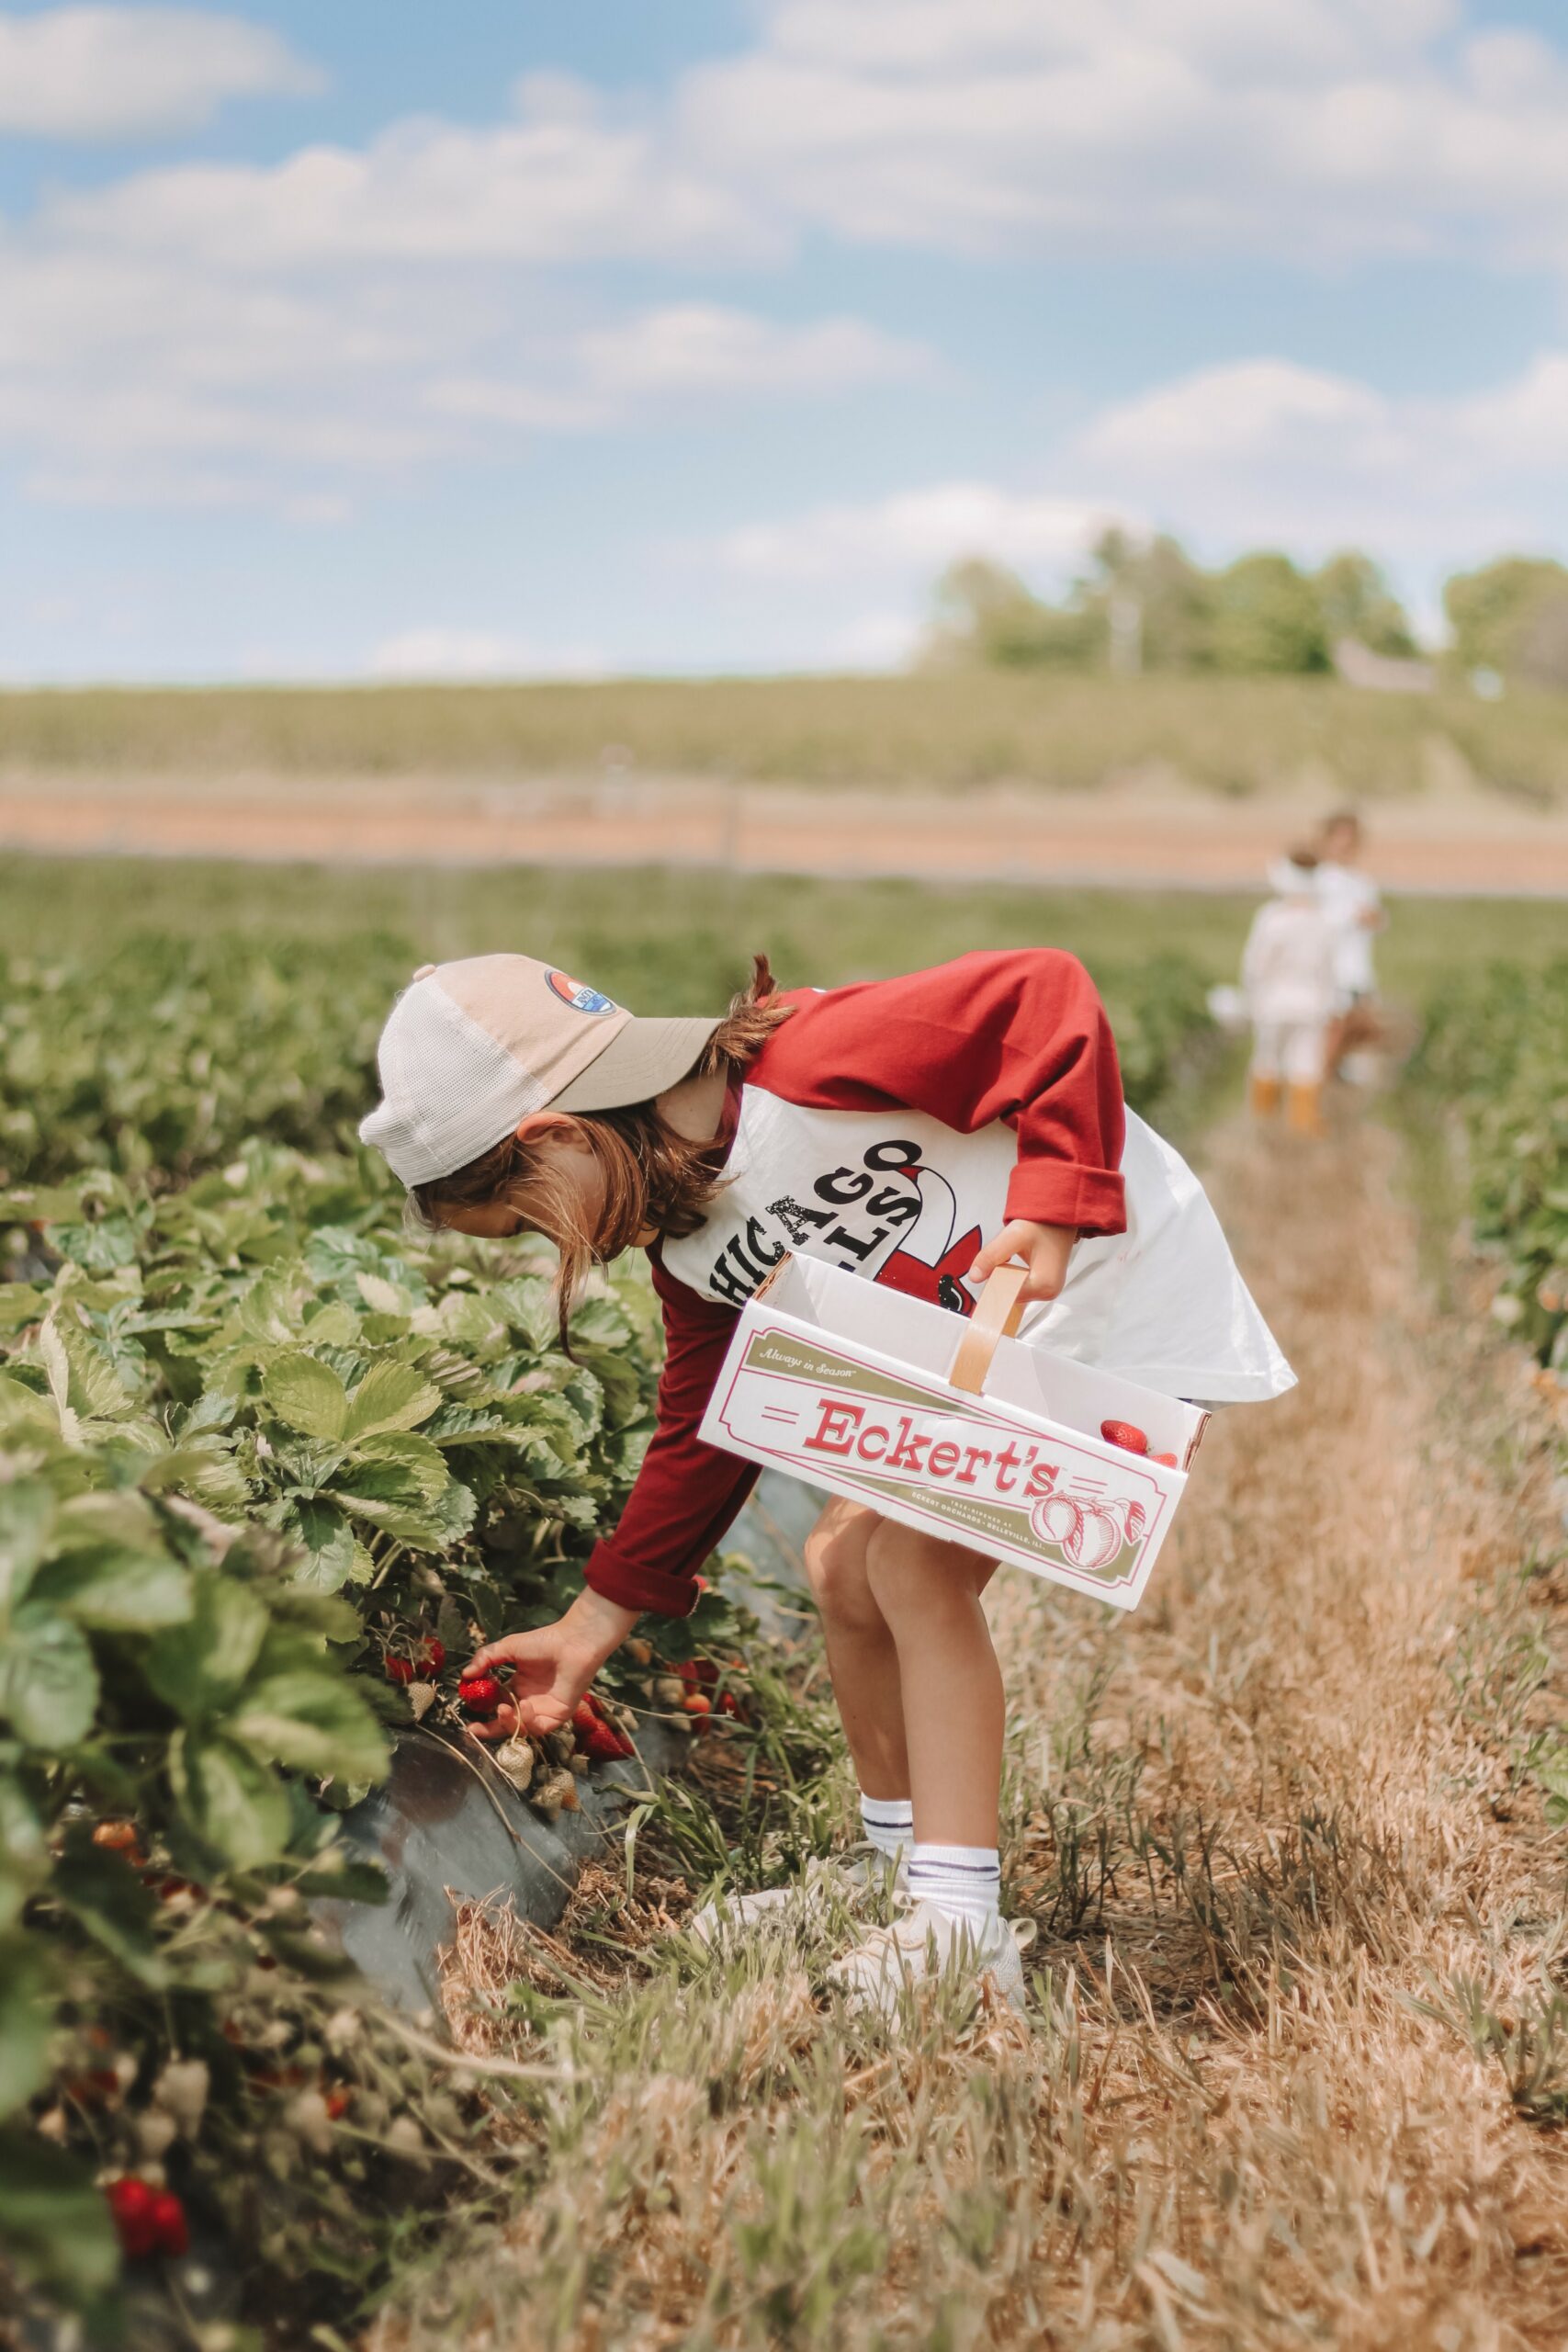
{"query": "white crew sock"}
[(964, 1880), (889, 1823)]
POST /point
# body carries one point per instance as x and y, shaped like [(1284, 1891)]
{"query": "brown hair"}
[(653, 1176)]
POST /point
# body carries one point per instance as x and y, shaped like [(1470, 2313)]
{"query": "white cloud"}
[(125, 380), (432, 652), (1301, 129), (691, 353), (565, 179), (1268, 450), (101, 74), (221, 333), (1261, 452), (696, 347), (913, 534), (1316, 130)]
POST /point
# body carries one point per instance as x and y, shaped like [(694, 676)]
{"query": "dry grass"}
[(1293, 2070)]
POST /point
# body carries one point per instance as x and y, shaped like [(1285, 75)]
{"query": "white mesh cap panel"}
[(449, 1090)]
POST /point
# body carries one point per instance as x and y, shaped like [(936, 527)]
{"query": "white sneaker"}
[(925, 1944), (851, 1880)]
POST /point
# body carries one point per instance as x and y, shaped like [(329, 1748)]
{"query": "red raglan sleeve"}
[(1019, 1034), (686, 1494)]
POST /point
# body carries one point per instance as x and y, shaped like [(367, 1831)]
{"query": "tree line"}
[(1146, 604)]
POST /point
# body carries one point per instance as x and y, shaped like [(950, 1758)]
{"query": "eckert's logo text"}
[(916, 1446)]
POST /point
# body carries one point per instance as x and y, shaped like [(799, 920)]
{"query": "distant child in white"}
[(1354, 908), (1288, 978)]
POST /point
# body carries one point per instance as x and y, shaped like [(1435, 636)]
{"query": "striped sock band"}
[(889, 1823), (964, 1880)]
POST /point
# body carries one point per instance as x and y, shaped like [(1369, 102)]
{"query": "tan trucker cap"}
[(470, 1048)]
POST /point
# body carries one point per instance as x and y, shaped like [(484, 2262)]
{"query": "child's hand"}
[(551, 1666), (1044, 1249)]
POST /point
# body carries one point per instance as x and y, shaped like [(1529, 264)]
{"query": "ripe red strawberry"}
[(1166, 1461), (170, 2231), (1125, 1433), (481, 1696), (697, 1703), (399, 1669), (429, 1654), (596, 1736), (131, 2203)]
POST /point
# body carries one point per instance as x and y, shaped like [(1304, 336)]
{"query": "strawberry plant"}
[(256, 1445), (1494, 1053), (167, 1054)]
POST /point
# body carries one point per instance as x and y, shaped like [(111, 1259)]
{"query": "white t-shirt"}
[(899, 1198), (1348, 897), (1289, 965)]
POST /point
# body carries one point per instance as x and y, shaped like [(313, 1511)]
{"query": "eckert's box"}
[(949, 1427)]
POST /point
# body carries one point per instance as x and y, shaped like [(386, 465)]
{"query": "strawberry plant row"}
[(165, 1056), (1496, 1052), (268, 1469)]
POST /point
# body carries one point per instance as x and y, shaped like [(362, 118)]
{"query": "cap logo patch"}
[(574, 992)]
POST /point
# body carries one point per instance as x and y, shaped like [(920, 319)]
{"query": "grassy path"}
[(1292, 2077)]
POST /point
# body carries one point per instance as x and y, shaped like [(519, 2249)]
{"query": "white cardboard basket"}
[(952, 1426)]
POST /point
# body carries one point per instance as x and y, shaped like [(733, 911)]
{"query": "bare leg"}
[(861, 1658), (928, 1592)]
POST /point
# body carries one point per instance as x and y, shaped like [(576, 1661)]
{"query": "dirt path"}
[(1119, 835), (1296, 1768), (1291, 2078)]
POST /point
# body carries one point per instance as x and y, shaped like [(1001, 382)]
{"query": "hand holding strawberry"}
[(551, 1666)]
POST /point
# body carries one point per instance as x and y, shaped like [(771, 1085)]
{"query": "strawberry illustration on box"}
[(955, 1427)]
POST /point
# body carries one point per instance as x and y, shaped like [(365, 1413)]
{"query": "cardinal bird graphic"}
[(929, 1264)]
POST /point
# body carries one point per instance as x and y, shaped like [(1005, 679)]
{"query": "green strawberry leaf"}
[(391, 1396), (27, 1521), (327, 1539), (53, 2219), (206, 1471), (116, 1590), (232, 1800), (307, 1394), (196, 1667), (49, 1684), (312, 1723), (26, 2023), (398, 1467)]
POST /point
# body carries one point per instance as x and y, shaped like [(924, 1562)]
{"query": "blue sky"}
[(379, 341)]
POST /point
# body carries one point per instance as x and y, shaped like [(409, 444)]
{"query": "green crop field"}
[(270, 1464), (675, 942), (950, 731)]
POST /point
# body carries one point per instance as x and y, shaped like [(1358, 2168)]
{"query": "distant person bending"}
[(1354, 908), (1287, 977)]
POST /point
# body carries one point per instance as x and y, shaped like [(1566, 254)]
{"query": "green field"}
[(947, 731), (676, 941)]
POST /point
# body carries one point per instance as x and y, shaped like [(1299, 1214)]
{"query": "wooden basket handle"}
[(997, 1317)]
